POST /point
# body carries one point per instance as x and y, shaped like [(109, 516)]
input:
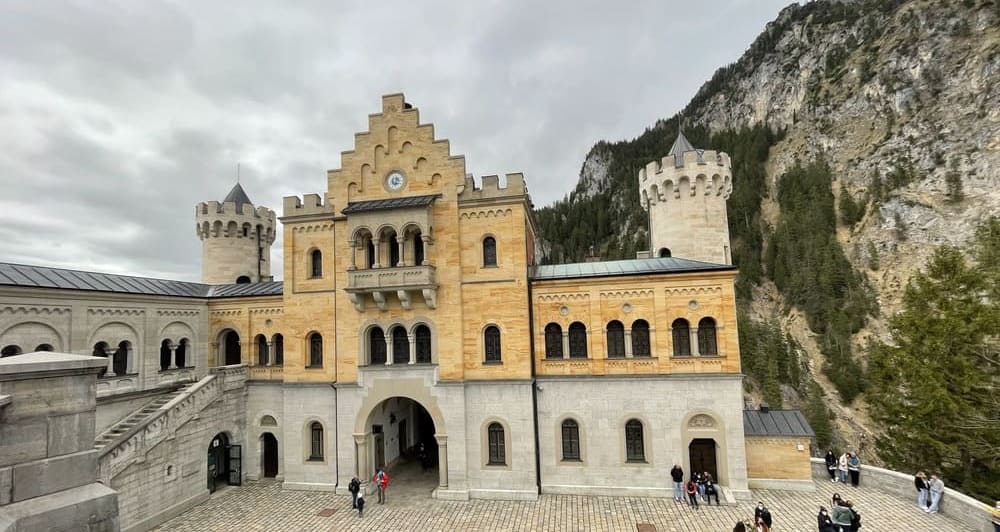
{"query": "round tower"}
[(236, 239), (685, 194)]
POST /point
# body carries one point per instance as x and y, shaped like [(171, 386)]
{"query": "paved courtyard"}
[(263, 505)]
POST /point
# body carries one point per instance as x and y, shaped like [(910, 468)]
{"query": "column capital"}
[(442, 439), (360, 438)]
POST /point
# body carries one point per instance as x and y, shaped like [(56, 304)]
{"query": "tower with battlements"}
[(685, 194), (236, 239)]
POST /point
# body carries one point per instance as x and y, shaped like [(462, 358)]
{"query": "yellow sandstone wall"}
[(778, 458)]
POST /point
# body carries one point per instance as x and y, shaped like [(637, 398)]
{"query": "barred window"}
[(553, 341), (423, 334), (570, 440), (491, 339), (640, 338), (634, 449), (682, 338), (577, 340), (707, 345), (498, 455), (616, 339), (376, 346), (316, 447)]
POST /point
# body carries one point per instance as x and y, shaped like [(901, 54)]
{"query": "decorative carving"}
[(609, 294), (227, 313), (486, 213), (312, 228), (694, 291), (564, 297), (563, 310), (268, 310), (115, 311), (701, 421), (693, 305), (33, 309), (177, 312)]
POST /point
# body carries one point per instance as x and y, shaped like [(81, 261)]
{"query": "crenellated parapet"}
[(491, 189), (691, 174), (223, 220), (236, 238), (308, 205)]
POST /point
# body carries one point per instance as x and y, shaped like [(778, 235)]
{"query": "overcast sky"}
[(116, 118)]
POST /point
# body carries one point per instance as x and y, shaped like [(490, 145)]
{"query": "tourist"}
[(762, 515), (937, 490), (381, 480), (354, 487), (692, 492), (831, 465), (677, 474), (761, 526), (360, 503), (424, 461), (710, 491), (854, 467), (842, 467), (841, 515), (923, 487), (740, 527), (835, 501), (699, 481), (823, 521)]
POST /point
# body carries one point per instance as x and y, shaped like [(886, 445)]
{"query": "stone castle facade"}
[(414, 312)]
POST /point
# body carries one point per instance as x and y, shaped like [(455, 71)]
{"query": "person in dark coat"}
[(361, 503), (677, 475), (823, 521), (354, 487), (923, 490), (831, 465), (711, 491), (762, 514)]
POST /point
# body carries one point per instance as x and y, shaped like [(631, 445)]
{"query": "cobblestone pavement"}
[(264, 505)]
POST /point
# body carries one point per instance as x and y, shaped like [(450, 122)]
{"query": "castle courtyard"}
[(264, 505)]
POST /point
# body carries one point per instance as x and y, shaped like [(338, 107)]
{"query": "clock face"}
[(395, 180)]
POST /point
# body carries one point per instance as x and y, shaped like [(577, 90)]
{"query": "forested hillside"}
[(864, 136)]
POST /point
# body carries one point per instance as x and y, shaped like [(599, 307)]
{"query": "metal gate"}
[(235, 465)]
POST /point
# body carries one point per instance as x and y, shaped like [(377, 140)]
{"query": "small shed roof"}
[(776, 423)]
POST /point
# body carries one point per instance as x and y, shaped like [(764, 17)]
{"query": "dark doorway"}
[(218, 462), (402, 438), (270, 444), (231, 345), (379, 450), (702, 455)]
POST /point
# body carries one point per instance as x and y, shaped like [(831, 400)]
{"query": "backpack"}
[(765, 514)]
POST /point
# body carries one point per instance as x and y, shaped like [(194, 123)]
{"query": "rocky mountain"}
[(898, 102)]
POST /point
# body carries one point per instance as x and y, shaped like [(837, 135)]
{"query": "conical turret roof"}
[(238, 196), (681, 145)]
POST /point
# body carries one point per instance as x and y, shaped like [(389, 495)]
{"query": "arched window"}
[(616, 339), (553, 341), (394, 258), (268, 421), (316, 441), (13, 350), (376, 346), (634, 449), (423, 334), (261, 350), (371, 253), (44, 348), (707, 346), (491, 340), (243, 279), (279, 349), (100, 350), (489, 251), (120, 364), (233, 350), (570, 440), (640, 338), (664, 252), (165, 355), (498, 454), (577, 340), (418, 249), (400, 346), (182, 351), (316, 263), (682, 338), (315, 350)]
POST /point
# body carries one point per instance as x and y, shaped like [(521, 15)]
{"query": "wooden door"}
[(702, 455)]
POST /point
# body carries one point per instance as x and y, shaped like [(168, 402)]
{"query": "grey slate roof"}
[(59, 278), (776, 423), (680, 146), (614, 268), (393, 203), (238, 196)]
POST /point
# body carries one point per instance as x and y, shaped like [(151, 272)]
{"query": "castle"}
[(414, 312)]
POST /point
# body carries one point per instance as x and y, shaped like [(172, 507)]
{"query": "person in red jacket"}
[(381, 480), (692, 491)]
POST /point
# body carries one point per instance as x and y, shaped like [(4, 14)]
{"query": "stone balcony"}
[(380, 284), (264, 373)]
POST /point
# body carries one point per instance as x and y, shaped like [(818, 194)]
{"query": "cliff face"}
[(900, 98)]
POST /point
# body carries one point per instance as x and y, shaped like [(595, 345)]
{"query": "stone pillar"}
[(354, 259), (130, 361), (111, 362), (628, 343), (400, 243), (215, 355), (361, 455), (565, 344), (389, 355), (173, 356), (442, 440), (427, 244), (413, 348), (694, 343), (270, 353), (378, 255)]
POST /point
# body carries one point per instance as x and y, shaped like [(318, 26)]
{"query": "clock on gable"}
[(395, 180)]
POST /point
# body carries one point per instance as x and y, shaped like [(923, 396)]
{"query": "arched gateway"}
[(393, 427)]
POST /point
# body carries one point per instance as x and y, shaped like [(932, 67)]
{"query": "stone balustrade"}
[(264, 373)]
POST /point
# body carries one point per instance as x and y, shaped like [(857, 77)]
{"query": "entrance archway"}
[(224, 463), (404, 435), (701, 453), (269, 455), (704, 436)]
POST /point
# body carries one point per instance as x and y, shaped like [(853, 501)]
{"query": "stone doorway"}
[(702, 456), (402, 438), (270, 455), (218, 462)]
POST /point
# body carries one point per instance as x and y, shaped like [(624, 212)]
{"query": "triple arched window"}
[(682, 337), (577, 340), (379, 345)]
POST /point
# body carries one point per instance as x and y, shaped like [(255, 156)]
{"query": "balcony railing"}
[(264, 373), (380, 284)]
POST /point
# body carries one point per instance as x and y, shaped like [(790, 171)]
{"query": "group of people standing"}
[(699, 486), (847, 466), (929, 492), (842, 516), (381, 481)]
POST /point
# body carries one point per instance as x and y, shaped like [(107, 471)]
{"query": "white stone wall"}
[(664, 404), (302, 405), (263, 399), (508, 403)]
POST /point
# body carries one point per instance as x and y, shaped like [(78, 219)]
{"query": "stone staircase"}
[(115, 432)]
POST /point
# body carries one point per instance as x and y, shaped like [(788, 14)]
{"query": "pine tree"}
[(873, 258), (818, 416)]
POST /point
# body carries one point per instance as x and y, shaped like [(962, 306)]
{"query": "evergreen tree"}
[(850, 210), (818, 416)]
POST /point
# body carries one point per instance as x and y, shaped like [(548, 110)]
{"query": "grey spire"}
[(681, 145), (238, 196)]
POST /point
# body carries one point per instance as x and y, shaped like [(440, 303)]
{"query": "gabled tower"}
[(235, 238), (685, 194)]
